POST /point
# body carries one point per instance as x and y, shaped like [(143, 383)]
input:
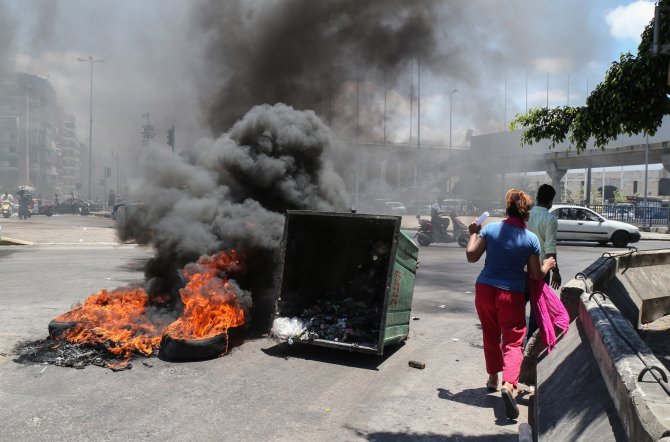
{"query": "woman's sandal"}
[(511, 408)]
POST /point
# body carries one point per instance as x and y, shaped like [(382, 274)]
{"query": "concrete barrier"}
[(638, 394)]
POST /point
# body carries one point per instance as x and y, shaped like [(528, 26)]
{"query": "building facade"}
[(38, 141)]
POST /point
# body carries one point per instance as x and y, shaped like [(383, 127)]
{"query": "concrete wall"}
[(641, 403)]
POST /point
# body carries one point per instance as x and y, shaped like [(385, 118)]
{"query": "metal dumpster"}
[(346, 259)]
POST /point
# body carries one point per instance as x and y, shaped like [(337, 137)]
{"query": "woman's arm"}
[(537, 271), (476, 245)]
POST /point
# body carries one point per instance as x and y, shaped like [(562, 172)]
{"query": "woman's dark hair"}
[(517, 204)]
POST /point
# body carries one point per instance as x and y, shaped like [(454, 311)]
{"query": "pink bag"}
[(549, 311)]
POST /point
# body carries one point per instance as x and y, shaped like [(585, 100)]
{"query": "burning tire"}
[(57, 328), (190, 350)]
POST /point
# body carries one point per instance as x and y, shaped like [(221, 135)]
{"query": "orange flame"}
[(119, 321), (211, 305)]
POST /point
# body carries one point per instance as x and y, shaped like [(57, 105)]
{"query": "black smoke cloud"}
[(6, 43), (307, 53), (231, 193)]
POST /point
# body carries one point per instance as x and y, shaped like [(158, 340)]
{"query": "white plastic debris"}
[(287, 328), (442, 306), (455, 339), (468, 292)]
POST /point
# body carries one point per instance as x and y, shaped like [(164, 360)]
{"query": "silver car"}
[(395, 208), (577, 223)]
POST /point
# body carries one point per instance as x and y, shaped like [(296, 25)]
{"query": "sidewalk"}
[(61, 230)]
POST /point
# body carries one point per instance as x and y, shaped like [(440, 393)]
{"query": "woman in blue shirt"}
[(499, 291)]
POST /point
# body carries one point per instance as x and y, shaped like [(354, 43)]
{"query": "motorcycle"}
[(428, 233), (6, 209)]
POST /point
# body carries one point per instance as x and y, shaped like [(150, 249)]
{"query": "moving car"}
[(577, 223), (395, 208)]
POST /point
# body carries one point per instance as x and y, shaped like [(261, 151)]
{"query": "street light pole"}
[(115, 155), (90, 60), (451, 99)]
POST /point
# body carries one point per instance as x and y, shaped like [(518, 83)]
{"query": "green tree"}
[(619, 196), (632, 99)]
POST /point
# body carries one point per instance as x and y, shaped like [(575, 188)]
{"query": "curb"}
[(6, 241)]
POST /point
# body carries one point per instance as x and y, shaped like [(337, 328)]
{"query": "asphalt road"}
[(261, 390)]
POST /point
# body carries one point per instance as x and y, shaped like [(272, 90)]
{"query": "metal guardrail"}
[(632, 214)]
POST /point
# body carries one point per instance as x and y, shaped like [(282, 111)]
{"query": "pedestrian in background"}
[(111, 199), (545, 226), (499, 290), (24, 198)]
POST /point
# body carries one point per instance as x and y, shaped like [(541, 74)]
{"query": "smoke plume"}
[(308, 53), (231, 193)]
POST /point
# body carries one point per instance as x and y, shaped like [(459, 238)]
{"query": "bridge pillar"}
[(665, 158), (556, 176)]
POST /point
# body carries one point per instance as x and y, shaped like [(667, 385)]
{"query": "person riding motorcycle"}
[(6, 203), (436, 218)]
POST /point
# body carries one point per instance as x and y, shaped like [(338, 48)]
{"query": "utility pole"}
[(505, 102), (547, 91), (385, 93), (170, 138), (411, 100), (526, 70), (418, 104), (115, 155), (90, 60), (147, 130)]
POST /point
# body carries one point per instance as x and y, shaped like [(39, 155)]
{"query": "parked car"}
[(395, 208), (577, 223), (72, 206)]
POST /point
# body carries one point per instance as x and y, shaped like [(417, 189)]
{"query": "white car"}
[(577, 223), (396, 208)]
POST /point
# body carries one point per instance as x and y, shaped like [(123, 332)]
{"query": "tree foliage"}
[(632, 99)]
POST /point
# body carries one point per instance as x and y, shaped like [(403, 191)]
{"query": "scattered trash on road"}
[(442, 306), (417, 364), (455, 340), (415, 318)]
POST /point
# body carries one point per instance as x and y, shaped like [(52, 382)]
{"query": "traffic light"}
[(170, 137), (108, 172)]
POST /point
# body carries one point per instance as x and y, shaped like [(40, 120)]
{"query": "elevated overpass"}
[(408, 173), (500, 153)]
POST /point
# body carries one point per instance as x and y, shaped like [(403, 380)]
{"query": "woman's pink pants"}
[(503, 317)]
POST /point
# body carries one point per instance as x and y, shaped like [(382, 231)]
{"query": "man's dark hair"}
[(545, 194)]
